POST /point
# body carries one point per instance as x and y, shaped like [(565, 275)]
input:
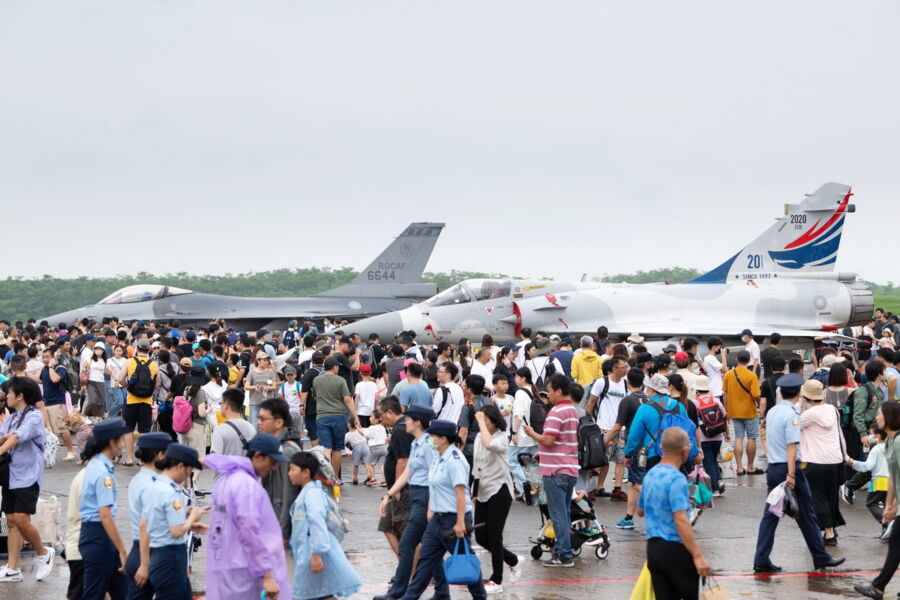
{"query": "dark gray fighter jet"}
[(391, 282)]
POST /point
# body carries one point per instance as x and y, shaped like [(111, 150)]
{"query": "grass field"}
[(888, 303)]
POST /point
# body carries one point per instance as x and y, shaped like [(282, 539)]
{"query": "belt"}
[(445, 514)]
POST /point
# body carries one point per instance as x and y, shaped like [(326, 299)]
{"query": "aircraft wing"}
[(681, 328)]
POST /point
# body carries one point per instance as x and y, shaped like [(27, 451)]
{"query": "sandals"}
[(756, 472)]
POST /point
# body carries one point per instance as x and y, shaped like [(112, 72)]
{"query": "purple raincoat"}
[(244, 534)]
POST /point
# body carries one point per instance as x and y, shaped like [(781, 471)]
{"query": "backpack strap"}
[(445, 393), (244, 441)]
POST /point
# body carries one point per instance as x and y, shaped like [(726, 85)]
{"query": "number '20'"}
[(754, 261)]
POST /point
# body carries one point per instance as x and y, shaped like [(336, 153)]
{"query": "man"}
[(769, 387), (481, 367), (683, 366), (262, 337), (867, 399), (559, 465), (564, 354), (753, 348), (141, 378), (606, 395), (333, 400), (741, 389), (714, 365), (784, 466), (448, 399), (629, 406), (308, 406), (674, 557), (348, 361), (393, 367), (476, 400), (54, 381), (398, 510), (245, 559), (232, 439), (416, 391), (525, 335), (275, 418), (586, 366), (768, 355)]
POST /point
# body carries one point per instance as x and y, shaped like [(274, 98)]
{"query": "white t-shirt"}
[(505, 403), (538, 368), (522, 410), (753, 348), (366, 391), (520, 356), (116, 364), (98, 370), (452, 407), (712, 367), (214, 393), (292, 395), (376, 435), (609, 406), (485, 371)]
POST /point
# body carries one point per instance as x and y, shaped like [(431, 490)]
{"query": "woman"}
[(463, 362), (102, 550), (261, 382), (114, 367), (214, 389), (506, 366), (321, 569), (163, 395), (421, 455), (450, 507), (200, 410), (888, 420), (168, 522), (839, 395), (822, 448), (678, 390), (539, 362), (96, 386), (520, 442), (492, 492)]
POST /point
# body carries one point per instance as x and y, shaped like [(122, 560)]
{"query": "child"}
[(321, 570), (876, 463), (887, 339), (289, 391), (365, 393), (359, 449), (376, 436)]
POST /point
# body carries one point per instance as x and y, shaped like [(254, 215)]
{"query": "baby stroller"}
[(585, 530)]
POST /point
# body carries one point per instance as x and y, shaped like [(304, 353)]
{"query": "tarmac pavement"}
[(726, 533)]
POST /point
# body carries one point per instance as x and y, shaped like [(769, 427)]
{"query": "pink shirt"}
[(821, 439), (562, 455)]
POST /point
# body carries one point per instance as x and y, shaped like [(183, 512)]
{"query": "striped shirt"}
[(562, 455)]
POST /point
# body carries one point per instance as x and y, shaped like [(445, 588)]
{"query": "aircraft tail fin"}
[(804, 242), (397, 272)]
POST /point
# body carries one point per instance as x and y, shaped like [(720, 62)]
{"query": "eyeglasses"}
[(262, 418)]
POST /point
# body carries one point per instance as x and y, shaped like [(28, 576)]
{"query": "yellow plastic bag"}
[(643, 587)]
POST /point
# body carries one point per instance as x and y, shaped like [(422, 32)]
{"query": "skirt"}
[(824, 482)]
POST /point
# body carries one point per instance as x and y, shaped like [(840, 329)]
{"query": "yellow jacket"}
[(586, 367)]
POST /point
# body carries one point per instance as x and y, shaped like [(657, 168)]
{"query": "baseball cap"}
[(679, 356), (746, 332), (293, 371), (266, 444), (670, 348), (143, 345), (330, 363), (643, 357), (365, 369), (191, 335)]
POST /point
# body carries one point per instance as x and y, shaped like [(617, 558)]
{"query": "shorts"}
[(636, 474), (360, 454), (615, 451), (746, 428), (312, 431), (140, 414), (22, 500), (397, 514), (58, 414), (377, 454), (332, 431)]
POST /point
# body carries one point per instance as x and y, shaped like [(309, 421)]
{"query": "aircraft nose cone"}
[(387, 326)]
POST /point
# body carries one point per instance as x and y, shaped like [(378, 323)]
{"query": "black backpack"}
[(544, 376), (591, 444), (602, 395), (537, 413), (142, 383)]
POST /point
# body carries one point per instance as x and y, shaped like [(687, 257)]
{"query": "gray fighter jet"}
[(784, 281), (390, 283)]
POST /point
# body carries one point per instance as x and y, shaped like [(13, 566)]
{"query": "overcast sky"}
[(553, 138)]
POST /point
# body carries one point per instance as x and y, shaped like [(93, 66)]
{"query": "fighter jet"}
[(390, 282), (784, 281)]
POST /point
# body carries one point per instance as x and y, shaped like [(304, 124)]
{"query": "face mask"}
[(873, 440)]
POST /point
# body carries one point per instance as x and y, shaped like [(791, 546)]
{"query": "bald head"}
[(675, 441)]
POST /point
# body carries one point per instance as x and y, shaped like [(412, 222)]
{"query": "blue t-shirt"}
[(664, 492), (417, 393), (565, 359), (54, 393)]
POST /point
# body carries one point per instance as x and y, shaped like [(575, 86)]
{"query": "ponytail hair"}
[(92, 448), (677, 382)]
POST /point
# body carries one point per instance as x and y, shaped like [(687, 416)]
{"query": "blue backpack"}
[(673, 418)]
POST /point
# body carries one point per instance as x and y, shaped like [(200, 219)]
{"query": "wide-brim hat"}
[(659, 383), (196, 376), (635, 338), (813, 390), (543, 346)]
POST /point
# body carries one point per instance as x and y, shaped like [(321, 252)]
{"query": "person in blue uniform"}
[(421, 455), (102, 550), (450, 506), (783, 432), (167, 523), (151, 447)]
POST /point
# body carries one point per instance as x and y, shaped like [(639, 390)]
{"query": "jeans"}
[(434, 545), (806, 520), (490, 518), (558, 489), (254, 414), (518, 473), (711, 462), (411, 538)]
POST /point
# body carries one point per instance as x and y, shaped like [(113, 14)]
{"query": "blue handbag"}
[(462, 567)]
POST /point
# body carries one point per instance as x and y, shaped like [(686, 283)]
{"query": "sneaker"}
[(721, 486), (601, 493), (10, 576), (44, 564), (70, 456), (618, 495), (886, 534), (556, 561), (515, 573), (846, 494), (492, 588), (625, 524)]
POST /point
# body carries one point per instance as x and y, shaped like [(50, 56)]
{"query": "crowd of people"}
[(454, 433)]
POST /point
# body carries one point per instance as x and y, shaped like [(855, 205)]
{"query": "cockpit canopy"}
[(472, 290), (142, 293)]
